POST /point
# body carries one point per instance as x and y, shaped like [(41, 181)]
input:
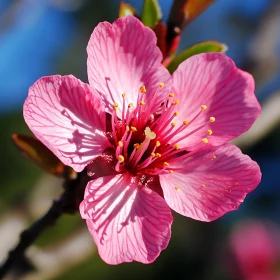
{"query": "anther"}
[(157, 143), (127, 128), (166, 163), (203, 107), (143, 89), (121, 158), (133, 128), (176, 114), (123, 95), (171, 94), (176, 102), (209, 132), (213, 157), (170, 171), (158, 155), (130, 105), (161, 85), (136, 145), (153, 155), (173, 124), (212, 119), (142, 103), (176, 146), (185, 122), (120, 143), (205, 140), (203, 185), (177, 188)]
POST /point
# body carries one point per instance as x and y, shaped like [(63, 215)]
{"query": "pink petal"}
[(212, 79), (68, 118), (127, 220), (122, 57), (209, 183)]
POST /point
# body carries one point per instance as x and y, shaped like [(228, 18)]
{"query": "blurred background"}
[(39, 38)]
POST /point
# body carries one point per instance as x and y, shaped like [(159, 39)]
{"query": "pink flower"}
[(256, 250), (159, 141)]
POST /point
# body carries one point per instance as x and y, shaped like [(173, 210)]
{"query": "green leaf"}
[(203, 47), (41, 156), (126, 9), (151, 13)]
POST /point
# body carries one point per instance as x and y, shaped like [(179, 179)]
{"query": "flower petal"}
[(212, 79), (127, 220), (122, 57), (68, 118), (209, 183)]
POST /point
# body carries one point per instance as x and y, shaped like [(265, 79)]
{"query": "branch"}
[(67, 203)]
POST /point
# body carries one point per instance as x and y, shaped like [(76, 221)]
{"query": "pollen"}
[(120, 143), (133, 128), (173, 124), (143, 89), (171, 94), (212, 119), (136, 145), (203, 107), (142, 103), (127, 128), (150, 134), (161, 85), (176, 114), (157, 143), (176, 102), (205, 140), (203, 185), (177, 188), (176, 146), (209, 132), (153, 155), (121, 158), (170, 171), (185, 122), (166, 163), (158, 155), (123, 95), (130, 105), (116, 105)]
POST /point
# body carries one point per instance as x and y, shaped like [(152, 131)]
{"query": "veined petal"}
[(122, 57), (68, 118), (209, 183), (212, 79), (127, 220)]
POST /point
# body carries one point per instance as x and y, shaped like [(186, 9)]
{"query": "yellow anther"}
[(170, 171), (142, 103), (143, 89), (173, 124), (176, 114), (161, 85), (157, 143), (127, 128), (176, 102), (166, 163), (205, 140), (121, 158), (213, 157), (212, 119), (209, 132), (136, 145), (171, 94), (203, 185), (116, 105), (177, 188), (185, 122), (133, 128), (176, 146), (158, 155), (120, 143), (123, 95), (203, 107), (153, 155), (130, 105)]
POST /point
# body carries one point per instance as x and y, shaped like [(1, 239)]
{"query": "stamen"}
[(177, 188), (158, 155), (171, 94), (121, 158), (133, 128), (123, 95), (209, 132), (176, 114), (153, 155), (170, 171), (186, 122), (161, 85), (136, 145), (176, 146), (205, 140), (203, 185), (166, 163), (212, 119), (157, 144), (176, 102), (173, 124), (142, 103), (203, 107), (143, 89), (120, 143)]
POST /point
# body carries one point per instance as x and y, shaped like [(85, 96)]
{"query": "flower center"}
[(145, 142)]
